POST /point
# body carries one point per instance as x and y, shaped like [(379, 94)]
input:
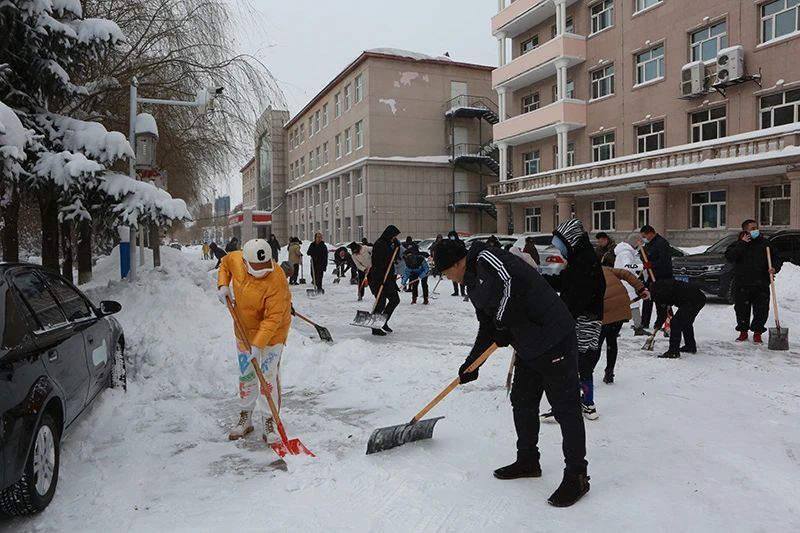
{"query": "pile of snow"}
[(406, 53), (146, 123), (141, 198), (694, 250), (709, 434)]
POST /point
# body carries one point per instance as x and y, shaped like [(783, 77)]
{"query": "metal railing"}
[(472, 150), (663, 161), (471, 102), (476, 198)]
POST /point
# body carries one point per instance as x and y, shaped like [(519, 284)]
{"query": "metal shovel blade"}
[(337, 280), (323, 333), (365, 319), (393, 436), (312, 293), (778, 339), (292, 447)]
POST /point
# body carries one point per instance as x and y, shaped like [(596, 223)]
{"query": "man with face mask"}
[(751, 279), (264, 305)]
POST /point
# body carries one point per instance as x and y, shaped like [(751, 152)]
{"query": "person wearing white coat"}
[(627, 257)]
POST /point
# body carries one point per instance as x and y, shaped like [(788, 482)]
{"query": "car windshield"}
[(721, 245)]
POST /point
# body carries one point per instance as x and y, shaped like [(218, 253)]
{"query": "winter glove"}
[(293, 314), (502, 335), (648, 265), (462, 372), (224, 293)]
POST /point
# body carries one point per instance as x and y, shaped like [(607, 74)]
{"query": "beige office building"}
[(683, 115), (396, 138)]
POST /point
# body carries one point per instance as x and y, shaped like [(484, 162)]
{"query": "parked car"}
[(483, 237), (176, 245), (551, 262), (58, 352), (713, 274)]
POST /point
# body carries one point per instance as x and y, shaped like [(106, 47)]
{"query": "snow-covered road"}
[(710, 442)]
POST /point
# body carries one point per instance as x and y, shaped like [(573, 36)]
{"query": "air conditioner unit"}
[(693, 79), (730, 65)]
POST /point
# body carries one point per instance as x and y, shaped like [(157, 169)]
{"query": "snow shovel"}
[(323, 332), (393, 436), (338, 276), (649, 344), (510, 376), (302, 280), (435, 294), (286, 446), (366, 319), (313, 292), (778, 336)]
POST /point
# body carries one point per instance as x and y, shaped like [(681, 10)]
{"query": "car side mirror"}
[(109, 307)]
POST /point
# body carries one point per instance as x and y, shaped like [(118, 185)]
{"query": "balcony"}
[(540, 63), (541, 123), (522, 15), (471, 200), (757, 153), (469, 106)]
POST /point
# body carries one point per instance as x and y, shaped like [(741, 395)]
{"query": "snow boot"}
[(742, 336), (243, 427), (386, 328), (590, 412), (608, 378), (572, 489), (669, 355), (524, 466), (425, 301), (688, 349), (270, 436), (641, 332), (757, 338), (455, 293), (413, 300), (378, 332)]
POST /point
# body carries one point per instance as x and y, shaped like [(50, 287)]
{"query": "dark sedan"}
[(57, 353), (713, 274)]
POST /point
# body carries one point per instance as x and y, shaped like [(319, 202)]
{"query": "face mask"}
[(561, 246), (452, 237), (755, 234), (259, 273), (645, 240)]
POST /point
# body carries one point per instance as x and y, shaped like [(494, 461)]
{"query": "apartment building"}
[(395, 138), (683, 115), (248, 173)]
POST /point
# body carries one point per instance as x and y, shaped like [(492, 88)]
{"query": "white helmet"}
[(257, 251)]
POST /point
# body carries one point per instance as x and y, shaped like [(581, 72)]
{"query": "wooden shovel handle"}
[(301, 317), (453, 384), (385, 276), (647, 260), (772, 289)]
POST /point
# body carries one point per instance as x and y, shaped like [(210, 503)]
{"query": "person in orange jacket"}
[(264, 305)]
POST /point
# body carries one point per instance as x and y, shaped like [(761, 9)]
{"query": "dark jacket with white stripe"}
[(582, 284), (515, 306)]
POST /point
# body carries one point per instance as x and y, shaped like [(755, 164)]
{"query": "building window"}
[(311, 161), (337, 105), (603, 147), (359, 88), (570, 155), (325, 159), (348, 97), (642, 211), (359, 228), (302, 133), (530, 162), (774, 203), (319, 157), (359, 134), (706, 42), (533, 219), (779, 18), (311, 126), (779, 109), (708, 209), (650, 65), (325, 116), (570, 90), (338, 146), (708, 124), (348, 141), (337, 189), (650, 137), (530, 103), (291, 138), (347, 189), (602, 15), (641, 5), (358, 176), (605, 215), (529, 44), (317, 120), (603, 82), (569, 27), (302, 166)]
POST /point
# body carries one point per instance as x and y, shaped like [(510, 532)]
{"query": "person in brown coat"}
[(530, 249), (617, 311)]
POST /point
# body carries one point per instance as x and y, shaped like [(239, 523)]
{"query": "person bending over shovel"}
[(516, 306), (264, 305)]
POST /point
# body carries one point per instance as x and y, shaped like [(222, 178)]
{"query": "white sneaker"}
[(270, 436), (590, 412), (243, 427)]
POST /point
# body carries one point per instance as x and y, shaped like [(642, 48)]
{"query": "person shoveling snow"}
[(264, 304)]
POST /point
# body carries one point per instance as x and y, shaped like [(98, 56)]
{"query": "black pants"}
[(683, 326), (361, 275), (647, 312), (456, 287), (755, 299), (295, 272), (389, 300), (557, 377), (318, 273), (609, 335), (415, 289)]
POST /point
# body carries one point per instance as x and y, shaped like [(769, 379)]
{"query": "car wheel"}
[(119, 374), (34, 491)]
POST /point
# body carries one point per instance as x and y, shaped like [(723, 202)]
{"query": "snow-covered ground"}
[(710, 442)]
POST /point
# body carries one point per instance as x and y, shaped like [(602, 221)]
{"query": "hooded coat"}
[(383, 255), (628, 258), (581, 284), (617, 302)]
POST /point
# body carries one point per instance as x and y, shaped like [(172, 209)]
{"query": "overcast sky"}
[(305, 43)]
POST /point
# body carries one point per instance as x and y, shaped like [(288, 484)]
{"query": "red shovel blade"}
[(292, 447)]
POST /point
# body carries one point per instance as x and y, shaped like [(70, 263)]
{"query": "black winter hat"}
[(448, 253)]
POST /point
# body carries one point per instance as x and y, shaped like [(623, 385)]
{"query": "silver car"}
[(551, 262)]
